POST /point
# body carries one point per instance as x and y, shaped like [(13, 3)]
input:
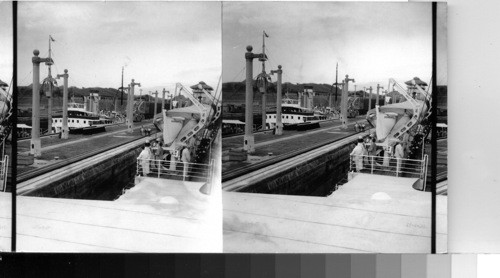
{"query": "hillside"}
[(25, 93)]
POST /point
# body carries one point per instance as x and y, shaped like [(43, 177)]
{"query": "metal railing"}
[(175, 170), (4, 164), (390, 166)]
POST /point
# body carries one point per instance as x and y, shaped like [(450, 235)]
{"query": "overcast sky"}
[(371, 42), (159, 43), (6, 41)]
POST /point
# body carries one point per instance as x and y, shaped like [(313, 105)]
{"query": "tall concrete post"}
[(378, 89), (36, 146), (370, 98), (262, 81), (163, 99), (156, 103), (343, 105), (130, 106), (279, 123), (65, 129), (248, 144), (248, 139), (171, 98)]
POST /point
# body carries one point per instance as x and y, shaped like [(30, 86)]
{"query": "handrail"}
[(175, 170), (390, 166)]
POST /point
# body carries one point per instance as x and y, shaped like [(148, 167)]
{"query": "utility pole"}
[(65, 129), (343, 105), (130, 105), (378, 89), (370, 98), (163, 99), (156, 103), (279, 124), (36, 146)]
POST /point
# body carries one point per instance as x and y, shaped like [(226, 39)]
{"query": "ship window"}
[(77, 121), (84, 122), (287, 117), (275, 116), (291, 117), (298, 117)]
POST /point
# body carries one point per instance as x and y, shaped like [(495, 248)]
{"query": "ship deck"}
[(154, 216), (350, 220)]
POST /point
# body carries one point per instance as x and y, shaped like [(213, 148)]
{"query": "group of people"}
[(151, 151), (153, 154), (359, 127), (145, 131), (362, 154)]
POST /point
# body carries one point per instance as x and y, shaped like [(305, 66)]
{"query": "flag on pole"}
[(51, 38), (267, 36)]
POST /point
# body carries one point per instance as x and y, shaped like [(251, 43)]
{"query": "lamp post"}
[(65, 129)]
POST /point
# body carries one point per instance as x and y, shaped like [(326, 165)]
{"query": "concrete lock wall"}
[(314, 177), (102, 181)]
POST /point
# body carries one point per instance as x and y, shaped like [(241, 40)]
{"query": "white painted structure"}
[(78, 117)]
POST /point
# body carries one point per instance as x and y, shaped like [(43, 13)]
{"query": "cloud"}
[(155, 40), (369, 40)]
